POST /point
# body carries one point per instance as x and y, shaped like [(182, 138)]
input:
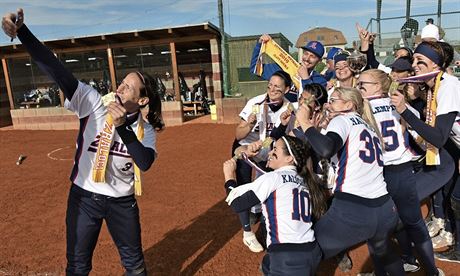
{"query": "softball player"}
[(112, 200), (287, 120), (397, 171), (258, 118), (444, 91), (428, 58), (291, 199), (361, 209)]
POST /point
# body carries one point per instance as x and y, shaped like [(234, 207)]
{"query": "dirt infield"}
[(187, 228)]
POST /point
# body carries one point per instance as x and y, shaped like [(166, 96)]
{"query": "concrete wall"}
[(58, 118)]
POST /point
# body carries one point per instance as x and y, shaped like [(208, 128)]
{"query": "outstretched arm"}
[(13, 25)]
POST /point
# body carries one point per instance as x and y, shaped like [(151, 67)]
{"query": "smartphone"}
[(16, 19)]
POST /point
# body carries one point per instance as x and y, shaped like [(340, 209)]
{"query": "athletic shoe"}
[(411, 266), (435, 226), (366, 274), (450, 255), (252, 242), (344, 262), (440, 272), (443, 239)]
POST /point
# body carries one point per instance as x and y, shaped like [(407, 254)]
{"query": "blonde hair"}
[(362, 107), (380, 77)]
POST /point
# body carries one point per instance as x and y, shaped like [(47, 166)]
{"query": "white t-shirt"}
[(87, 104), (448, 98), (286, 206), (396, 148), (455, 133), (359, 161), (260, 130)]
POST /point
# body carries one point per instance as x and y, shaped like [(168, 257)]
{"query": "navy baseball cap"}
[(315, 47), (401, 65), (332, 52), (340, 57)]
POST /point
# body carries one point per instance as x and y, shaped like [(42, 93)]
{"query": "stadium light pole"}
[(224, 48)]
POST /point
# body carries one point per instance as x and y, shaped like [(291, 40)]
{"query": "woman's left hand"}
[(118, 113), (303, 116), (397, 99)]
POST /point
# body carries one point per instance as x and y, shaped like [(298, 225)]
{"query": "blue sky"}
[(57, 19)]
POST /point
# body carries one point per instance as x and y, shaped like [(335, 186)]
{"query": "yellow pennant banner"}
[(103, 150), (137, 171), (282, 58)]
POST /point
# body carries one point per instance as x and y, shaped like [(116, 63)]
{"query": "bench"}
[(194, 106)]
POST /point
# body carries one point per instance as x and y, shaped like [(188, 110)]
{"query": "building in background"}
[(242, 81), (30, 100), (327, 36)]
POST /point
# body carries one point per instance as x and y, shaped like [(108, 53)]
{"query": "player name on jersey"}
[(292, 179), (118, 149), (383, 108)]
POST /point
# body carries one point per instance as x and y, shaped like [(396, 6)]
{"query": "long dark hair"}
[(148, 90), (303, 155), (448, 52), (284, 76)]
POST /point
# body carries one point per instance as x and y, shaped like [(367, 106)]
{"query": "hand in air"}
[(118, 113), (12, 22)]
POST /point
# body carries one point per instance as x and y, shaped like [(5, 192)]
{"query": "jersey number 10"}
[(302, 210)]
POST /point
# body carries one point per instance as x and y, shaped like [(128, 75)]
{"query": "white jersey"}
[(261, 130), (448, 100), (455, 133), (87, 104), (359, 161), (286, 206), (396, 143)]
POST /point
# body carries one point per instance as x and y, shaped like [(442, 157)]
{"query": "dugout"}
[(102, 61)]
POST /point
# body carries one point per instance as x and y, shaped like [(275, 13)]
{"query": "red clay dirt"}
[(187, 228)]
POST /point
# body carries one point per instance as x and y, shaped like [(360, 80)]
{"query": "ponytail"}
[(303, 155), (154, 104), (368, 116)]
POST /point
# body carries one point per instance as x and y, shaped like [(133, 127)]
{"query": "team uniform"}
[(361, 208), (433, 178), (114, 200), (359, 163), (267, 118), (89, 203), (448, 101), (86, 103), (401, 183), (455, 133), (292, 249)]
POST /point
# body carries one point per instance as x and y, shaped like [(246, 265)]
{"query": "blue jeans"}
[(85, 213)]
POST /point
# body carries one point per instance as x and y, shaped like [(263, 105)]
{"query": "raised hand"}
[(285, 117), (303, 116), (12, 22), (397, 99), (118, 113), (264, 38)]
